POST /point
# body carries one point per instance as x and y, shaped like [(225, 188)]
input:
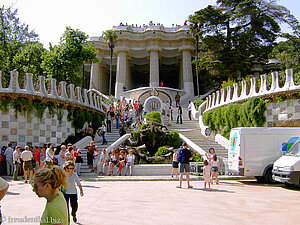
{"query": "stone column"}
[(188, 85), (94, 80), (121, 73), (154, 69)]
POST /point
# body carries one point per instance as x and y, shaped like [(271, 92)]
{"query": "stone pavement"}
[(160, 202)]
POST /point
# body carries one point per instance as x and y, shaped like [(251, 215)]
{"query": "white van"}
[(254, 150), (287, 168)]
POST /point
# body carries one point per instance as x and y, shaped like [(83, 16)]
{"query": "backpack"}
[(180, 157)]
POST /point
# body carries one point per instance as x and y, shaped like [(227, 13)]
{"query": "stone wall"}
[(29, 130), (283, 114)]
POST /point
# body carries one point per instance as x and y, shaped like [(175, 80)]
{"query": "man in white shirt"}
[(27, 165), (190, 110), (9, 159), (103, 162), (17, 162)]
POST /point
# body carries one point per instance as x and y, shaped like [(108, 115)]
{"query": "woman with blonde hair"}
[(46, 183)]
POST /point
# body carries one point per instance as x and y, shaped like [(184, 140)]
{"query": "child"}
[(215, 168), (206, 174)]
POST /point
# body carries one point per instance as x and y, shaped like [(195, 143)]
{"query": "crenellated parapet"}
[(224, 97), (59, 93)]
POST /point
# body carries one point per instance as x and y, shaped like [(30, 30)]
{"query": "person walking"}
[(103, 163), (103, 130), (61, 158), (184, 157), (27, 164), (9, 159), (46, 184), (17, 162), (179, 116), (190, 110), (70, 192), (78, 160)]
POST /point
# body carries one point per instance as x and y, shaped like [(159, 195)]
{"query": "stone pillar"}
[(187, 74), (154, 69), (94, 80), (121, 73)]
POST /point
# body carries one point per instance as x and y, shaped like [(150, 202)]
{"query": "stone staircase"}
[(110, 137), (191, 129)]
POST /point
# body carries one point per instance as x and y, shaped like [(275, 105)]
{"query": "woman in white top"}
[(70, 192), (130, 162), (49, 157)]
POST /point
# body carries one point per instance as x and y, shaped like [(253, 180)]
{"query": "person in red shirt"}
[(136, 107), (36, 157)]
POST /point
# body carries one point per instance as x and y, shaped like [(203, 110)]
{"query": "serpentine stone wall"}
[(222, 97), (29, 129)]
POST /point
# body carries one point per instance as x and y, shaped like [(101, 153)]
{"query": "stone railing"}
[(76, 96), (222, 97)]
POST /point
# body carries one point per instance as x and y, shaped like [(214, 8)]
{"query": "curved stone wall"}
[(29, 129), (222, 97)]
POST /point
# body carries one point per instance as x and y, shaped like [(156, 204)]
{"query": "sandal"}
[(178, 187)]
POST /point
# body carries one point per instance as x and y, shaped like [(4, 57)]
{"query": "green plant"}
[(161, 151), (78, 119), (50, 106), (155, 116), (97, 121), (249, 113), (39, 108), (88, 116), (197, 158), (198, 102), (174, 139), (281, 98), (4, 105), (59, 112), (22, 105)]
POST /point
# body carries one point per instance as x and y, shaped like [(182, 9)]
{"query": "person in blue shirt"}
[(184, 157)]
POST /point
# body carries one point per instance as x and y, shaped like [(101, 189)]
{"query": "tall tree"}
[(13, 36), (110, 37), (29, 59), (235, 31), (64, 61)]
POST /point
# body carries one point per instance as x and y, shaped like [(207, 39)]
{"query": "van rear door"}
[(234, 154)]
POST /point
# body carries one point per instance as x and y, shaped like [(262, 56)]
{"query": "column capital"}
[(153, 48), (186, 48), (121, 49)]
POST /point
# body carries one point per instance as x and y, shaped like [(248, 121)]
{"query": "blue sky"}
[(49, 18)]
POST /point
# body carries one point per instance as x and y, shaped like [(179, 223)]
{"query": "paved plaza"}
[(160, 202)]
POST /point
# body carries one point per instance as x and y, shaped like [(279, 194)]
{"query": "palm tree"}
[(194, 28), (110, 37)]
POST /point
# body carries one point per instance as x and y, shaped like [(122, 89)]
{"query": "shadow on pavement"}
[(90, 186), (212, 190)]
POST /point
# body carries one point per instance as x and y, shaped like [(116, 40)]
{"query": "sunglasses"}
[(70, 168)]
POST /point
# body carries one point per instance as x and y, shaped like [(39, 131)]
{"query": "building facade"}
[(145, 58)]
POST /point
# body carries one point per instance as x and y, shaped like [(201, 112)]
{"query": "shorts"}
[(214, 169), (28, 165), (114, 162), (175, 164), (184, 167)]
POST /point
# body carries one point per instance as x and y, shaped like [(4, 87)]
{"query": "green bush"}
[(247, 114), (197, 158), (161, 151), (174, 140), (155, 116)]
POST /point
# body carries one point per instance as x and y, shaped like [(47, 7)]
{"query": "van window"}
[(295, 149)]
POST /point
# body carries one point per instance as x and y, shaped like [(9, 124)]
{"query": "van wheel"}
[(268, 177)]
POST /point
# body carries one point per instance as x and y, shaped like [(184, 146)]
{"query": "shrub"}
[(155, 116), (174, 140), (161, 151)]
